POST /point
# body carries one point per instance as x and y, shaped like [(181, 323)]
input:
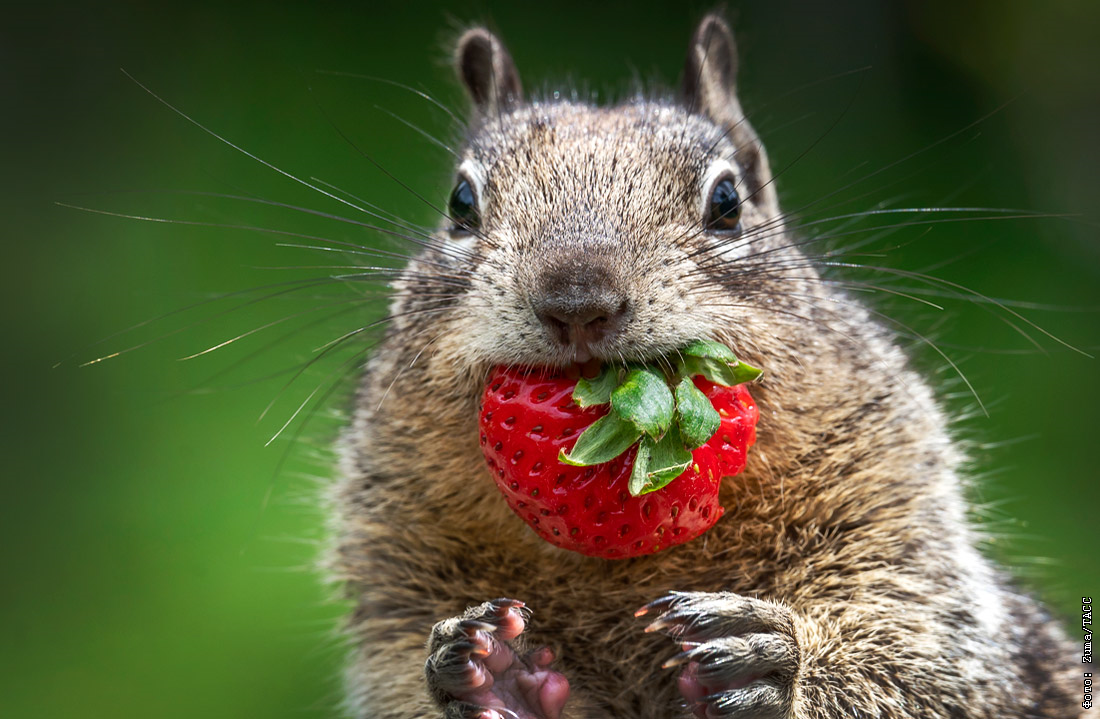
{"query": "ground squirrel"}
[(843, 580)]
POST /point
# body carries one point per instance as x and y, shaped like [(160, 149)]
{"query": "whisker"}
[(366, 156), (263, 327), (943, 355), (385, 81), (966, 290), (343, 368), (177, 311), (391, 217), (296, 332), (464, 274), (813, 300), (887, 290), (423, 133), (240, 149), (409, 366), (751, 270), (428, 240), (357, 249), (334, 344), (995, 214), (192, 325), (877, 172)]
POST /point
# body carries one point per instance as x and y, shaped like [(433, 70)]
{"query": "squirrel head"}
[(605, 232)]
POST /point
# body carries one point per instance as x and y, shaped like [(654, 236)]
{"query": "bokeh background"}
[(159, 560)]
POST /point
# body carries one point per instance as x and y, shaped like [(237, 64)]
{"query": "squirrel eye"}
[(463, 208), (724, 214)]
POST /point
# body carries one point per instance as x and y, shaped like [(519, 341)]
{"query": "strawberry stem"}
[(665, 423), (645, 400)]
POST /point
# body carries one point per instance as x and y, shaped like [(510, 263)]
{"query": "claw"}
[(505, 604), (681, 622), (501, 713), (663, 603), (692, 651), (465, 649), (471, 626), (681, 658), (656, 626), (666, 621), (757, 699)]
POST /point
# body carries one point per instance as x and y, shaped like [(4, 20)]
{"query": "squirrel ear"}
[(710, 88), (710, 71), (487, 71)]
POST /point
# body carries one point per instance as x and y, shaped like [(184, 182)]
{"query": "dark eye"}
[(724, 213), (463, 208)]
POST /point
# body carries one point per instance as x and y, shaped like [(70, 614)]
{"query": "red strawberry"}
[(529, 418)]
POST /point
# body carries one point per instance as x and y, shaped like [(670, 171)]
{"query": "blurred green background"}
[(159, 560)]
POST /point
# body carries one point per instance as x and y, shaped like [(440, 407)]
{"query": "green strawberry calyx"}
[(657, 407)]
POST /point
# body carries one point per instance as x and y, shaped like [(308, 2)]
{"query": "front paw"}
[(740, 655), (475, 671)]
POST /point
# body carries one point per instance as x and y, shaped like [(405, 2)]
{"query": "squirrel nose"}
[(582, 317)]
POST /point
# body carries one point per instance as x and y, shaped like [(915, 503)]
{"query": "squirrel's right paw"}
[(740, 654), (473, 672)]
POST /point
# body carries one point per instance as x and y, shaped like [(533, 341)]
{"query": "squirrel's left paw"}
[(740, 655)]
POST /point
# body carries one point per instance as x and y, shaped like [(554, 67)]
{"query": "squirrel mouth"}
[(588, 368), (582, 354)]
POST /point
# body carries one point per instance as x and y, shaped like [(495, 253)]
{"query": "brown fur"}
[(849, 517)]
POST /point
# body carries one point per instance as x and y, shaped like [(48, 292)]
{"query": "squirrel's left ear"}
[(710, 88), (487, 71)]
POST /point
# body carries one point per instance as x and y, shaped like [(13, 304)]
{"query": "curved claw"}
[(464, 649), (681, 658), (504, 604), (678, 622), (663, 604), (472, 626), (758, 699)]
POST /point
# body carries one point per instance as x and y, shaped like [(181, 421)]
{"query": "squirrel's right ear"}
[(487, 71), (710, 88)]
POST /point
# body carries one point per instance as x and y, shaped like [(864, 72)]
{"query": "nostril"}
[(608, 320), (581, 323), (559, 329), (620, 311), (583, 314)]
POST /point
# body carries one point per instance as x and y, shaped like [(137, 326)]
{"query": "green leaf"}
[(709, 349), (716, 371), (745, 372), (697, 418), (603, 441), (668, 459), (639, 473), (720, 372), (645, 400), (589, 392)]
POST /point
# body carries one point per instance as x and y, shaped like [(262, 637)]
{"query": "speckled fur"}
[(850, 514)]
